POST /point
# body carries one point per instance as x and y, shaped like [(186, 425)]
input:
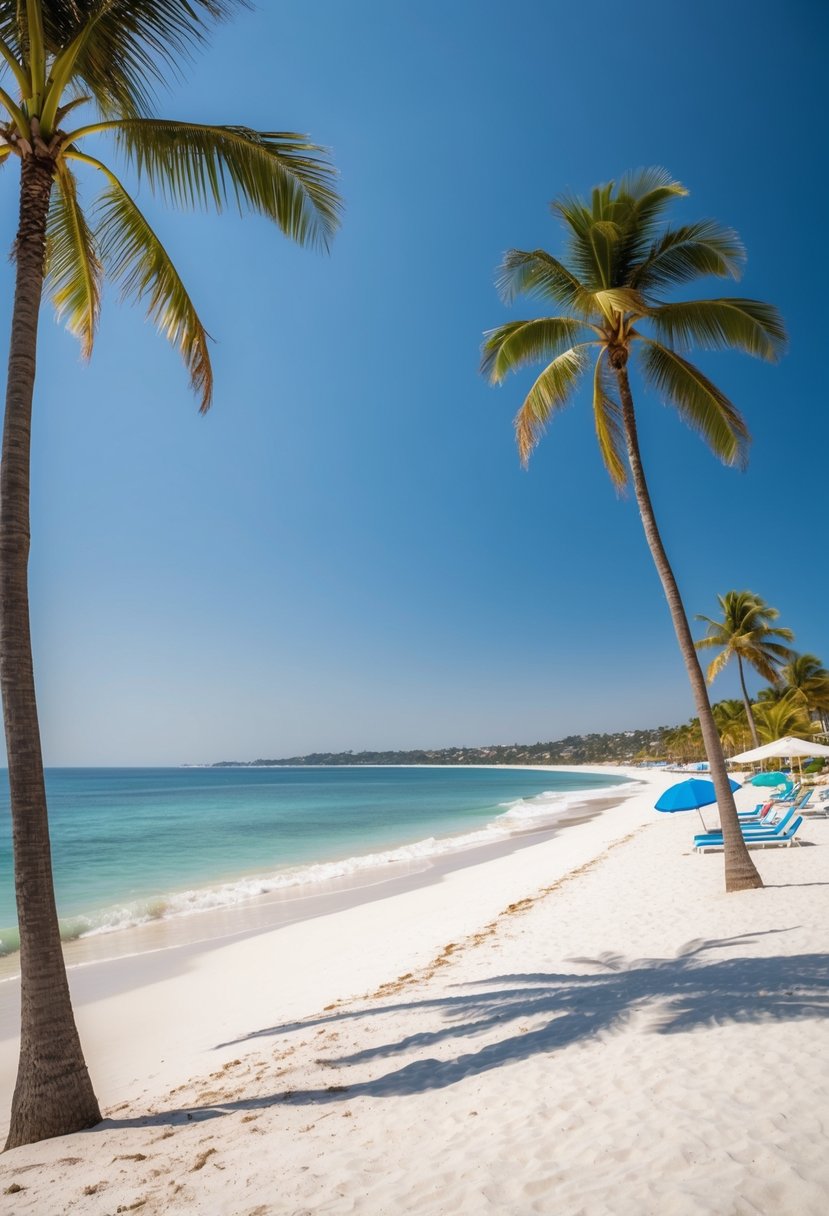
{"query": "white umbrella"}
[(787, 746)]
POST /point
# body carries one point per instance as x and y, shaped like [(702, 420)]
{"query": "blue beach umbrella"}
[(690, 795)]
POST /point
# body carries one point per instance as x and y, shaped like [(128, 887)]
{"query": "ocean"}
[(141, 844)]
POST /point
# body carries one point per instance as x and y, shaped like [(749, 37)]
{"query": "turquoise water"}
[(131, 845)]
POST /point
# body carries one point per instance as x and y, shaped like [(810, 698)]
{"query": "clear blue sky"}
[(345, 552)]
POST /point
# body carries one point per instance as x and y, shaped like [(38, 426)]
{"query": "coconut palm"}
[(76, 74), (621, 259), (788, 716), (732, 723), (746, 633), (809, 679)]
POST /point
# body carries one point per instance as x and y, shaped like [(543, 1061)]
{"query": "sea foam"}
[(531, 814)]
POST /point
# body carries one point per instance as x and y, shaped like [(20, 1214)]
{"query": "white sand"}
[(625, 1038)]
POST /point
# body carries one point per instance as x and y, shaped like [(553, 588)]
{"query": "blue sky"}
[(345, 553)]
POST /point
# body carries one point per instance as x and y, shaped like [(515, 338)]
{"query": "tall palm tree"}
[(76, 72), (621, 258), (746, 633)]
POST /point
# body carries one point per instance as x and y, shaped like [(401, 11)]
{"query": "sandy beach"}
[(587, 1024)]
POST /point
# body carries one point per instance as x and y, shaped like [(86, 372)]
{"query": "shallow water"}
[(135, 845)]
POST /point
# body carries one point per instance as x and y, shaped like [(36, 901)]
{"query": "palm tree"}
[(684, 743), (787, 716), (621, 257), (747, 634), (732, 723), (806, 675), (100, 58)]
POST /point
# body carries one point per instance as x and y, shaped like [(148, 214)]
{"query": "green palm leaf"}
[(590, 248), (517, 343), (277, 174), (74, 271), (700, 403), (644, 194), (609, 429), (730, 324), (133, 254), (690, 252), (129, 43), (550, 392), (613, 301), (535, 273)]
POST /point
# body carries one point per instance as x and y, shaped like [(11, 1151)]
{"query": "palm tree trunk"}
[(740, 871), (53, 1094), (752, 725)]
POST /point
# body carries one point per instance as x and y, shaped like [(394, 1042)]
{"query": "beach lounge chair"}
[(750, 831), (761, 813), (788, 795), (756, 842)]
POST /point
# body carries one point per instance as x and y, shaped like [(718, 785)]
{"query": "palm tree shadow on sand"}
[(522, 1015)]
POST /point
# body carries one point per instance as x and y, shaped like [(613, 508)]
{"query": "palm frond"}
[(132, 47), (716, 665), (517, 343), (607, 415), (731, 324), (690, 252), (650, 188), (73, 269), (278, 174), (549, 393), (699, 402), (589, 248), (535, 273), (133, 255), (643, 194), (612, 301)]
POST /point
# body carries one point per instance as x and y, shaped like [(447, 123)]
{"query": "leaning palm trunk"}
[(740, 871), (752, 725), (103, 58), (53, 1094)]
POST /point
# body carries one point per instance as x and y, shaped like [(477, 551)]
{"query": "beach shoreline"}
[(278, 905), (471, 981)]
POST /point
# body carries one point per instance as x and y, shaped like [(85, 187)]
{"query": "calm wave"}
[(133, 845)]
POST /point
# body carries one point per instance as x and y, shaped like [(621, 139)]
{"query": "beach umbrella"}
[(690, 795), (774, 779), (789, 746)]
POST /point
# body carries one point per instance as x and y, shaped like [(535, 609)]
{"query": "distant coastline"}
[(623, 747)]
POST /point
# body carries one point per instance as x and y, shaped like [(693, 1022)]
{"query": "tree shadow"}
[(523, 1015)]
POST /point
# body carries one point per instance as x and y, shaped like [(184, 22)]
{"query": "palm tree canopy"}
[(732, 723), (619, 260), (747, 633), (106, 57), (807, 678), (788, 716)]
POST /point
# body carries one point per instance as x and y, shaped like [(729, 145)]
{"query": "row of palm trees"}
[(773, 720), (795, 702)]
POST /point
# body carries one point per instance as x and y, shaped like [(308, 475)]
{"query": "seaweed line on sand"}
[(474, 939)]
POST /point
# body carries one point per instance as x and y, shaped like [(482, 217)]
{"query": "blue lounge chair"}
[(761, 813), (750, 831), (757, 842)]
